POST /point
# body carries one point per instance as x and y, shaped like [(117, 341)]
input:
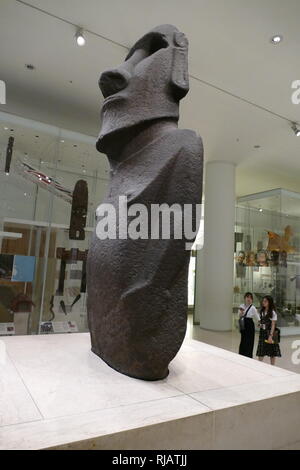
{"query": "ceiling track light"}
[(80, 39), (296, 129)]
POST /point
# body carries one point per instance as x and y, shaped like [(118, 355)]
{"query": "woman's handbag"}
[(242, 320), (276, 336)]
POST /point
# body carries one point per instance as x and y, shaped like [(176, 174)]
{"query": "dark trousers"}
[(247, 338)]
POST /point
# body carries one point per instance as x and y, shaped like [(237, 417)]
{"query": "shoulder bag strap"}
[(247, 310)]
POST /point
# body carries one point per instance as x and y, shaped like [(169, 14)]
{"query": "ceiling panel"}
[(229, 50)]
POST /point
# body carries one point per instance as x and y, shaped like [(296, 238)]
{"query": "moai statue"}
[(137, 286)]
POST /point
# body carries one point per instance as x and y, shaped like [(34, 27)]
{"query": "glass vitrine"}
[(267, 251), (42, 268)]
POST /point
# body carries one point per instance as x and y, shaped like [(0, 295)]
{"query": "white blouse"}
[(274, 315), (252, 312)]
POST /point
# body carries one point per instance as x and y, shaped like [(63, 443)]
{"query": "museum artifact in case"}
[(270, 264)]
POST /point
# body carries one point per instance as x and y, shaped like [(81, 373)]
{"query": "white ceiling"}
[(230, 54)]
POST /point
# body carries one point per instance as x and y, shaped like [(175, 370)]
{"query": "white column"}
[(214, 305)]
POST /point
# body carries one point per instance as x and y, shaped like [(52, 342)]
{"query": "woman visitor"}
[(268, 341), (247, 312)]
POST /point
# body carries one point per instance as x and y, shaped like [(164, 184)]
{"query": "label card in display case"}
[(7, 329), (59, 327)]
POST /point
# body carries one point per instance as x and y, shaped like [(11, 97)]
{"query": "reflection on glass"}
[(42, 271), (270, 224)]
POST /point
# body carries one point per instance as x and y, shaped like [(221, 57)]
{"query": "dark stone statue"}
[(137, 287)]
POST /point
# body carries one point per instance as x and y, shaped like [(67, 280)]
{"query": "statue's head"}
[(147, 86)]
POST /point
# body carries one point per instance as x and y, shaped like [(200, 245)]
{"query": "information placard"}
[(7, 329)]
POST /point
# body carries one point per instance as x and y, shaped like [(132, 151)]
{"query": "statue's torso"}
[(168, 170)]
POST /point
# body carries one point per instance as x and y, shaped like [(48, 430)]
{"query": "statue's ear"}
[(180, 77)]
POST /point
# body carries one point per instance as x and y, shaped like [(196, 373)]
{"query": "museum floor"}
[(55, 393), (230, 340)]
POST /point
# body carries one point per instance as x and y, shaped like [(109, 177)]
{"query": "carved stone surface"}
[(137, 289)]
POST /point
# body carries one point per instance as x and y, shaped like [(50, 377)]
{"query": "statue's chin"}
[(111, 138), (116, 132)]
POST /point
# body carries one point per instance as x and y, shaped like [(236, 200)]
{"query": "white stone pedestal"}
[(55, 393)]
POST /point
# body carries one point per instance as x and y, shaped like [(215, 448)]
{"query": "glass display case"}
[(267, 252), (42, 268)]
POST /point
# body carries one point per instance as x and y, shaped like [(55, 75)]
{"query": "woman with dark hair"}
[(248, 312), (268, 318)]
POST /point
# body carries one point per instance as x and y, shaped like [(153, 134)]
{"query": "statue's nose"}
[(113, 81)]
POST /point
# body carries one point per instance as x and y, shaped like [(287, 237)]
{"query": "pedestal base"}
[(164, 375), (55, 393)]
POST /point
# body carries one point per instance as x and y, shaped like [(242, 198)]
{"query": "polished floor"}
[(290, 345)]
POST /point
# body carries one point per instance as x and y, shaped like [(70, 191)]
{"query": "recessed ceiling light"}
[(62, 141), (79, 37), (276, 39), (74, 145), (260, 210), (7, 173), (6, 128)]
